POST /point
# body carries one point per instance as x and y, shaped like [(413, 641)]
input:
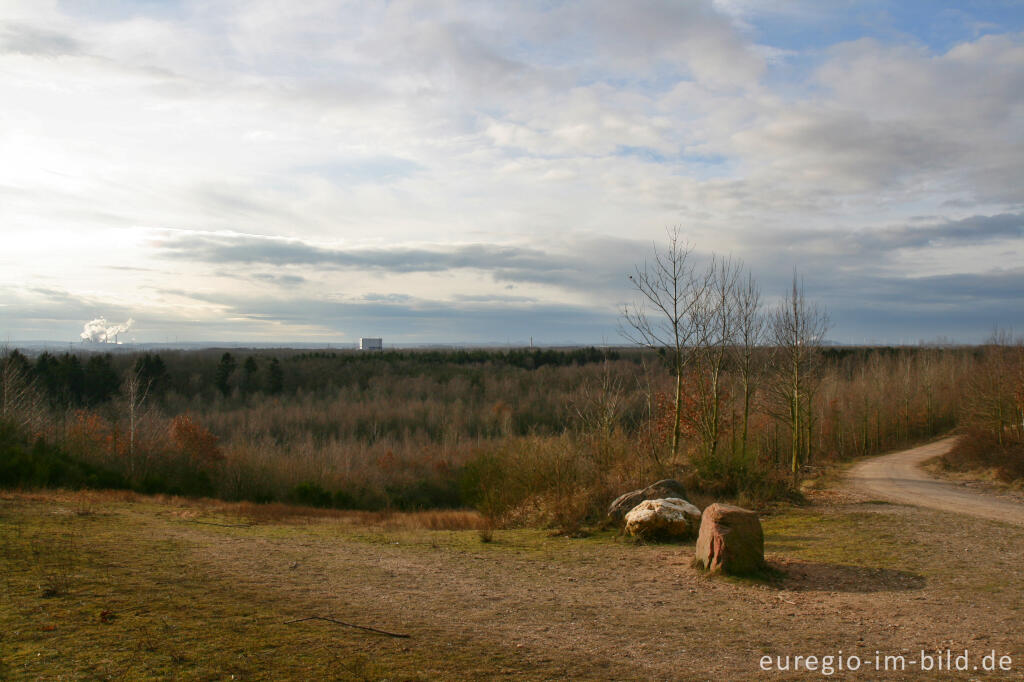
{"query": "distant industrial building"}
[(371, 344)]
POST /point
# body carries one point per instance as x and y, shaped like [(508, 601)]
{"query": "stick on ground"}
[(351, 625)]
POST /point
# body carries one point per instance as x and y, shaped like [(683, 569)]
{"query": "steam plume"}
[(102, 331)]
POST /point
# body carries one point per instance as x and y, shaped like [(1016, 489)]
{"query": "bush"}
[(361, 497), (555, 482), (980, 449), (43, 465), (310, 495), (425, 494)]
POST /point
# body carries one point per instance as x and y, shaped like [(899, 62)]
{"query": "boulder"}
[(664, 489), (731, 541), (665, 519)]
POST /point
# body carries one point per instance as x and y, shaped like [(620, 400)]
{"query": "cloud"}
[(856, 246), (36, 42), (976, 229), (893, 120), (275, 251), (408, 319), (583, 263), (280, 280), (455, 149), (966, 306)]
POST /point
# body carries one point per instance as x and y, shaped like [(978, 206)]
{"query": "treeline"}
[(992, 418), (277, 425), (89, 379), (546, 444)]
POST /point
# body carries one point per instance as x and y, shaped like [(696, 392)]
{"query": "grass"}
[(152, 608), (836, 538), (153, 595)]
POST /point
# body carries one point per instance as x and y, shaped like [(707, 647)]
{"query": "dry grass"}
[(156, 598)]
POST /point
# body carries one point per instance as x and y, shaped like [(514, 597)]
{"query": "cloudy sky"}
[(491, 171)]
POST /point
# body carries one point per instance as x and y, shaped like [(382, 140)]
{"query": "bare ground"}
[(188, 600)]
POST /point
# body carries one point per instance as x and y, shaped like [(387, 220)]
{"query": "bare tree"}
[(19, 401), (136, 389), (797, 330), (717, 322), (664, 317), (994, 392), (599, 406), (750, 335)]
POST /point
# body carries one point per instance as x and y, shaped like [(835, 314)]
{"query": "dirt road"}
[(899, 478)]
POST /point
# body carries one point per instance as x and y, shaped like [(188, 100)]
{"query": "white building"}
[(371, 344)]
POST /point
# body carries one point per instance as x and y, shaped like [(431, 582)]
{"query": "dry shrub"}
[(442, 519), (94, 438), (194, 440), (562, 482), (980, 450)]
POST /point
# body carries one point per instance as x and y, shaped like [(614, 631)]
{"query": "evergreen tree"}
[(275, 377), (249, 369), (225, 369), (101, 381), (152, 372)]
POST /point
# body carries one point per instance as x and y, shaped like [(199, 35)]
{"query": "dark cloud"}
[(408, 319), (954, 292), (974, 230), (867, 307), (591, 263), (268, 251), (280, 280), (859, 247)]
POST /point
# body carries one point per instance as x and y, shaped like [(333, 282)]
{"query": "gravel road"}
[(897, 477)]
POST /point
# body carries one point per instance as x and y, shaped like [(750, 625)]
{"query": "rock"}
[(664, 489), (730, 541), (669, 519)]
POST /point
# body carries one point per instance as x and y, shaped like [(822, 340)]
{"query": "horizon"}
[(492, 173), (33, 346)]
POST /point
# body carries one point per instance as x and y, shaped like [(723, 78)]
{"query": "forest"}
[(527, 436)]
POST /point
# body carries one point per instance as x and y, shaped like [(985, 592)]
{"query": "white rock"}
[(671, 518)]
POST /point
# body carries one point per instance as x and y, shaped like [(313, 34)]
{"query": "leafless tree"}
[(994, 392), (136, 389), (599, 407), (19, 401), (797, 329), (665, 314), (717, 321), (750, 335)]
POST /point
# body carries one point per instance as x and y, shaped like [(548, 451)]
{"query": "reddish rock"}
[(730, 541)]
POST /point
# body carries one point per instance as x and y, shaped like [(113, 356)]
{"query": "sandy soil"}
[(857, 578), (898, 477)]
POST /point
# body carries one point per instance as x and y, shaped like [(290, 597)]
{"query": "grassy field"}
[(105, 586)]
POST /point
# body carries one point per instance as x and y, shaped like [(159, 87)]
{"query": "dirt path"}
[(898, 478)]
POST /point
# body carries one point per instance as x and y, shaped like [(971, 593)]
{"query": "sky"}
[(491, 172)]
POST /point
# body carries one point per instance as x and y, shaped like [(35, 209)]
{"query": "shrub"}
[(425, 494), (980, 449), (195, 441), (310, 495), (43, 465)]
